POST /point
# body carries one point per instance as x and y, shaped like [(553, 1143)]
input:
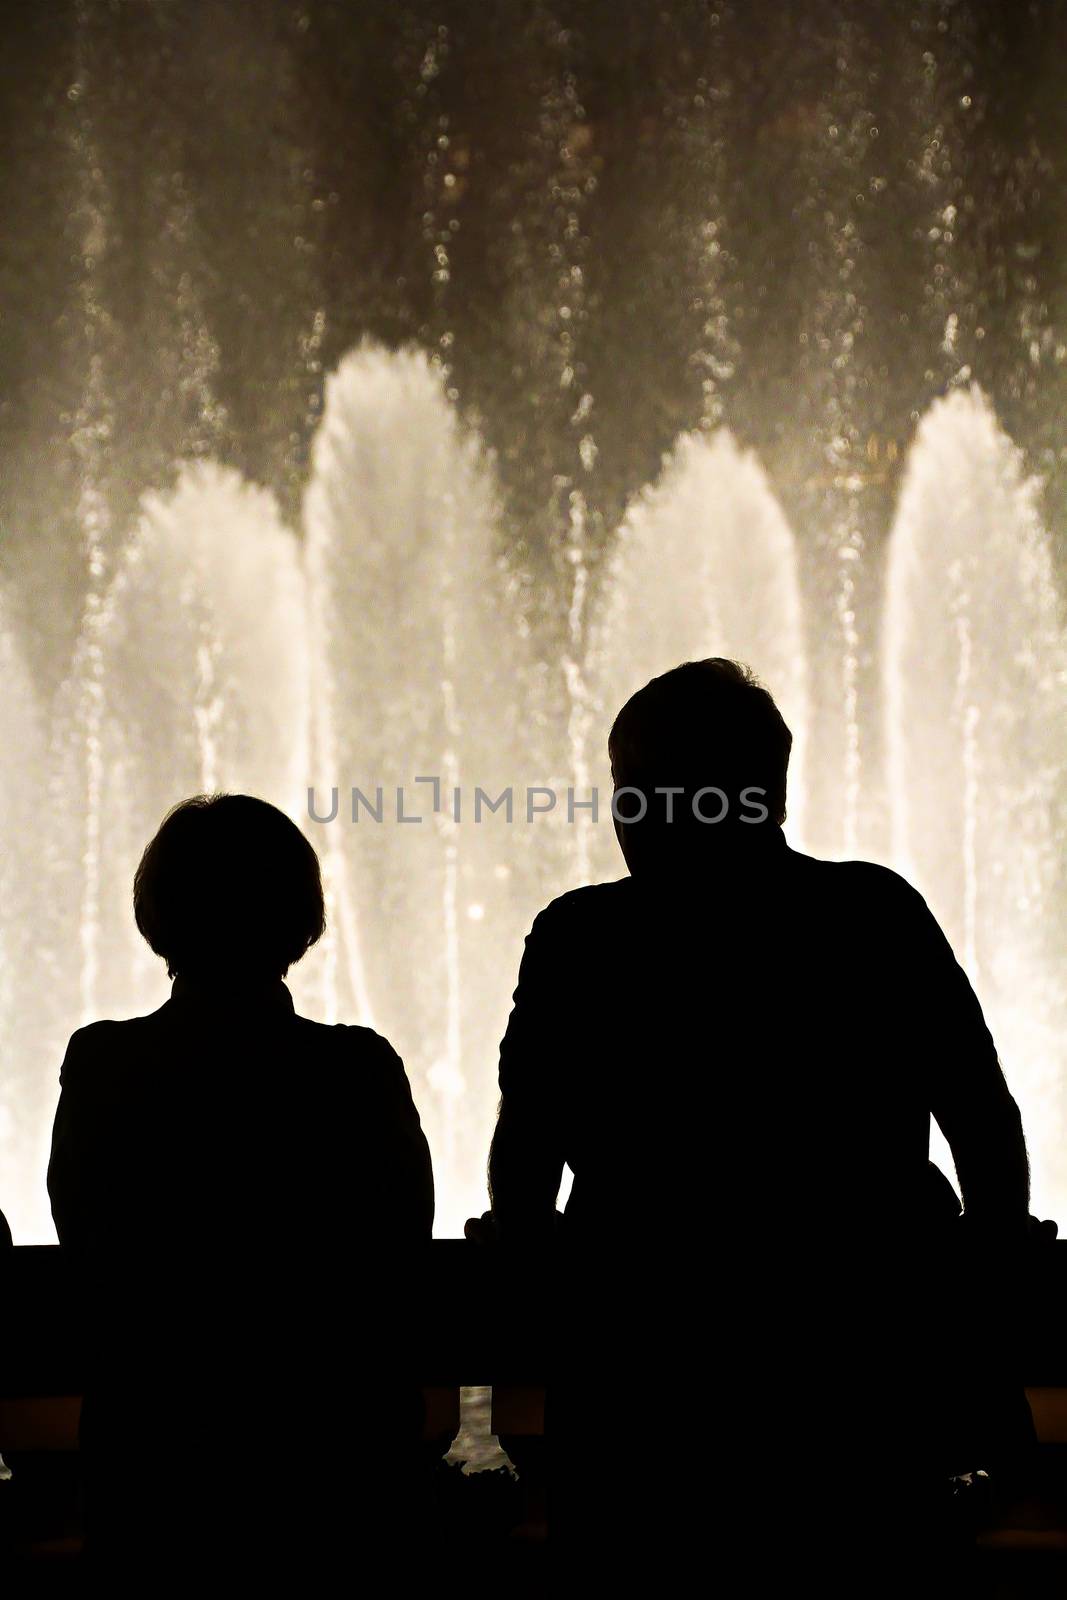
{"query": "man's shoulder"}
[(590, 903), (870, 885), (865, 890), (871, 875)]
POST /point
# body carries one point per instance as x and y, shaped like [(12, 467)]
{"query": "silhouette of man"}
[(239, 1190), (737, 1050)]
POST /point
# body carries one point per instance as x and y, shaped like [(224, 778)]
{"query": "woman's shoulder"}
[(351, 1042), (360, 1061), (103, 1040)]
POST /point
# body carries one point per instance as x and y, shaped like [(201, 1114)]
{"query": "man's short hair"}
[(705, 723), (229, 884)]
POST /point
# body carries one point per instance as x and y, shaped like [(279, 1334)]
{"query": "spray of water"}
[(204, 685), (28, 903), (415, 648), (419, 667), (976, 698)]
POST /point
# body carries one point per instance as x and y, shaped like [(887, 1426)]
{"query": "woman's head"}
[(229, 886)]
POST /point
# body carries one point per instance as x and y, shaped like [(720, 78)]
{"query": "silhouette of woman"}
[(241, 1191)]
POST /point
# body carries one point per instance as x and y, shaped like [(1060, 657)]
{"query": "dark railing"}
[(483, 1315), (486, 1320), (486, 1311)]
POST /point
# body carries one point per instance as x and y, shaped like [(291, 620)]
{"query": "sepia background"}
[(387, 390)]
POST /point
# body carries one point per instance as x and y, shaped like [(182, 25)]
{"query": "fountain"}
[(27, 942), (416, 666), (197, 659), (976, 699), (400, 677), (342, 350)]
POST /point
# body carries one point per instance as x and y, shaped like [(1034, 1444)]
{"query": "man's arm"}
[(526, 1158), (969, 1098)]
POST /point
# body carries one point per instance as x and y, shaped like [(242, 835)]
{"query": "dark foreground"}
[(485, 1324)]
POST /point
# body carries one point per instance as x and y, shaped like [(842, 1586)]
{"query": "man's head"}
[(711, 731), (229, 888)]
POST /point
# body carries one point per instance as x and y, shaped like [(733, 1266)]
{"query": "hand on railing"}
[(995, 1232), (1039, 1232), (482, 1230), (486, 1230)]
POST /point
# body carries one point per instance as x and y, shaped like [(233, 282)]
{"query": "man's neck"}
[(742, 855)]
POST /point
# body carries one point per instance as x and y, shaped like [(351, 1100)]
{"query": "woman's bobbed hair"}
[(229, 885)]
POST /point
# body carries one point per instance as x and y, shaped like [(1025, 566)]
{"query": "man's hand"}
[(1039, 1232), (1022, 1231), (482, 1230), (486, 1230)]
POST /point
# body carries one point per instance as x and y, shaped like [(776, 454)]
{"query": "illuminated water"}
[(199, 656), (26, 960), (389, 390), (976, 693), (419, 687), (390, 647)]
